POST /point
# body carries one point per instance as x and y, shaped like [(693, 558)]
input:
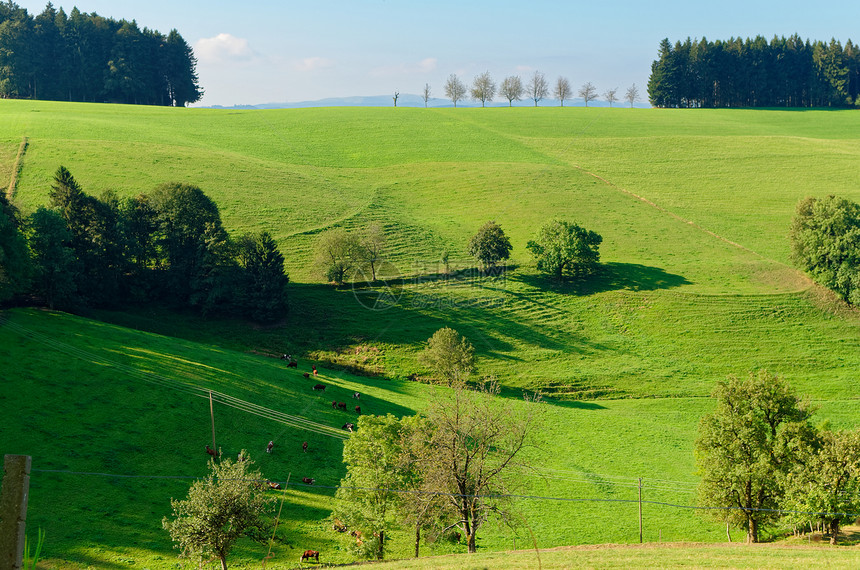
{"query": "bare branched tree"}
[(396, 97), (632, 95), (537, 88), (562, 90), (454, 89), (512, 89), (610, 96), (476, 452), (588, 92), (426, 94), (483, 88)]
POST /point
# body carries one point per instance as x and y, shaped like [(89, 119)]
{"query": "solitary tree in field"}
[(426, 94), (610, 95), (228, 504), (631, 95), (561, 91), (483, 88), (588, 92), (490, 245), (454, 89), (371, 247), (537, 87), (747, 447), (449, 355), (396, 97), (564, 248), (512, 89)]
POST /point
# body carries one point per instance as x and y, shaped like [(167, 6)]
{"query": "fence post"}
[(640, 510), (13, 509)]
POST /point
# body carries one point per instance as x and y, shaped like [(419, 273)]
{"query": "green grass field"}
[(694, 209)]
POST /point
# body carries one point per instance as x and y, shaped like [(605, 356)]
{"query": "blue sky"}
[(257, 52)]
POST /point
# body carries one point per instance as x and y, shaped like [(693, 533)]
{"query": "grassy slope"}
[(677, 308)]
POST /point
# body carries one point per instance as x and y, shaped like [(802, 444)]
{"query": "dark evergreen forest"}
[(787, 72), (85, 57)]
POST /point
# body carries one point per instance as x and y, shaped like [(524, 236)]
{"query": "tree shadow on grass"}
[(609, 277)]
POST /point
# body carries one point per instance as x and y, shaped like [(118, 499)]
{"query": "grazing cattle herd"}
[(349, 426)]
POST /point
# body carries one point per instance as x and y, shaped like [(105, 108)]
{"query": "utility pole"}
[(212, 414), (640, 510), (13, 510)]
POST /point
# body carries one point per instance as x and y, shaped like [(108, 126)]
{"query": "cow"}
[(273, 486), (287, 357), (270, 446), (292, 364), (341, 406), (305, 447), (348, 426), (308, 554), (320, 387), (356, 395), (306, 375), (314, 368), (211, 451), (308, 481), (358, 409), (334, 405)]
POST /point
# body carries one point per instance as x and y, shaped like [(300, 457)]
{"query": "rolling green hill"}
[(694, 209)]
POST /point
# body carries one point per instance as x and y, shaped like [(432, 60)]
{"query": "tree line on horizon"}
[(786, 72), (88, 58)]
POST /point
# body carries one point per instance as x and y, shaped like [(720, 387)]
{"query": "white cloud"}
[(314, 63), (223, 48)]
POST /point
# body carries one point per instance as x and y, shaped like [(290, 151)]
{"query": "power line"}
[(479, 496)]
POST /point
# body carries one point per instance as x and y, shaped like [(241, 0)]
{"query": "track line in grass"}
[(296, 422)]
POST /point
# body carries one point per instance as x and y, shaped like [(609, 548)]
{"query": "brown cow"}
[(338, 526), (334, 405), (292, 364), (306, 375), (358, 409), (308, 481), (211, 451), (305, 446), (275, 486), (320, 387), (308, 554), (341, 406)]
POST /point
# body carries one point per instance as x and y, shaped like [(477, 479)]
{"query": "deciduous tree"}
[(631, 95), (490, 245), (561, 91), (476, 451), (483, 88), (588, 92), (825, 486), (825, 242), (454, 89), (336, 254), (537, 87), (610, 95), (226, 505), (565, 249), (747, 446), (449, 355), (426, 94), (512, 89)]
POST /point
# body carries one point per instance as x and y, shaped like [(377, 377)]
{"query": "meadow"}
[(694, 209)]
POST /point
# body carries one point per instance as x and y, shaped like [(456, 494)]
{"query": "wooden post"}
[(13, 510), (640, 510), (212, 414)]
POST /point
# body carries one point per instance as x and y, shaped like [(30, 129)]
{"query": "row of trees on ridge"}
[(168, 246), (512, 88), (786, 72), (86, 57)]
